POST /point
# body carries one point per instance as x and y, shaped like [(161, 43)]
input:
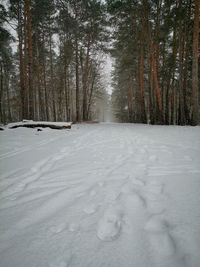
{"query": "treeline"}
[(55, 73), (156, 61), (50, 59)]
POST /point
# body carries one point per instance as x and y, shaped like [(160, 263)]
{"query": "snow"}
[(107, 195)]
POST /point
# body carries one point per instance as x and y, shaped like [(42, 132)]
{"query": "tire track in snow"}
[(43, 166), (123, 200), (26, 149)]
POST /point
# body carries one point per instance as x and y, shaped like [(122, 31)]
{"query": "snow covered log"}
[(41, 124)]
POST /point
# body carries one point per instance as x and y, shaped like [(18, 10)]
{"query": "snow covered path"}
[(109, 195)]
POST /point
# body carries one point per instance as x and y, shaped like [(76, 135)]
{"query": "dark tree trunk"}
[(195, 57), (27, 7)]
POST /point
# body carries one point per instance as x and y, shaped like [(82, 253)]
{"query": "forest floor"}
[(109, 195)]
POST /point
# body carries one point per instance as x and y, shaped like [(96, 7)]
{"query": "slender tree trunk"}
[(195, 57), (45, 92), (77, 82), (130, 100), (52, 78), (186, 64), (70, 99), (141, 85), (151, 89), (24, 114), (1, 92), (27, 7), (156, 84), (85, 80), (181, 113), (66, 89), (8, 97), (90, 95)]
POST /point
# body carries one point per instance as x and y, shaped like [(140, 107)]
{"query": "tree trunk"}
[(141, 85), (45, 91), (195, 57), (52, 78), (24, 114), (1, 91), (8, 97), (91, 94), (85, 80), (27, 7), (77, 82)]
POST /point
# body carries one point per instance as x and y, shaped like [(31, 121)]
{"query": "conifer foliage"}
[(50, 60), (56, 68), (156, 61)]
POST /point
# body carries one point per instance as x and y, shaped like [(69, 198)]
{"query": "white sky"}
[(107, 69)]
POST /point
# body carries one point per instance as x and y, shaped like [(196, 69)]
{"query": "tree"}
[(153, 54), (195, 59), (5, 68)]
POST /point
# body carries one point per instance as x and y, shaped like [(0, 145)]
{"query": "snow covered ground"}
[(109, 195)]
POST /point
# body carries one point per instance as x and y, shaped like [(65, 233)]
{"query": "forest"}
[(52, 53), (99, 133)]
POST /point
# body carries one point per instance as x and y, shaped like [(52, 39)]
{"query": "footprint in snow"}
[(155, 207), (134, 209), (134, 201), (101, 184), (154, 187), (12, 198), (161, 241), (153, 158), (63, 150), (58, 157), (56, 229), (131, 193), (153, 195), (61, 262), (138, 182), (90, 208), (109, 226), (112, 196), (73, 227), (92, 193), (58, 264), (127, 188)]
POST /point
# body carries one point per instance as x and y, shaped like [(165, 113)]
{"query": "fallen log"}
[(34, 124)]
